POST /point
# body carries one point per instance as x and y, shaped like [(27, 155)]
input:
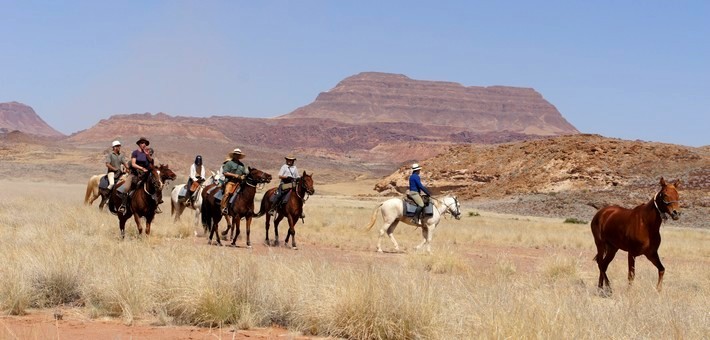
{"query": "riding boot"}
[(225, 201), (275, 203), (188, 197), (417, 212)]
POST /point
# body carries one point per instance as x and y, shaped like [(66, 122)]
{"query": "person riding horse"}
[(415, 188), (288, 175), (196, 178), (114, 163), (234, 172), (140, 162)]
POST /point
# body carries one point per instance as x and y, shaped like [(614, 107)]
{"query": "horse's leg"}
[(632, 268), (292, 219), (390, 233), (148, 221), (656, 260), (277, 220), (138, 223), (248, 222), (426, 239), (236, 229), (122, 226), (608, 257), (266, 227)]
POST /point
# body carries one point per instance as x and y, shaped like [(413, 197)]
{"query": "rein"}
[(302, 184), (448, 206)]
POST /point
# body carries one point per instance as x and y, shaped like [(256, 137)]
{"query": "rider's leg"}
[(111, 180), (420, 206), (276, 200), (228, 189)]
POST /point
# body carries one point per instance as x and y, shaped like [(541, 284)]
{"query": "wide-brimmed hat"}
[(115, 143), (290, 158), (143, 139), (416, 167), (236, 152)]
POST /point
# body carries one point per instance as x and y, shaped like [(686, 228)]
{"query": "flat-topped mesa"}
[(382, 97), (20, 117)]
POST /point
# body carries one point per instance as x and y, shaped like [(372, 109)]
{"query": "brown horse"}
[(636, 231), (244, 198), (292, 209), (243, 206), (144, 199)]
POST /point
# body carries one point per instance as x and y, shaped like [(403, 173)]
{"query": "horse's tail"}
[(205, 214), (373, 219), (262, 207), (89, 190)]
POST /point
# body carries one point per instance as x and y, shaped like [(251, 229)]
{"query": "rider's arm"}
[(193, 173), (136, 166)]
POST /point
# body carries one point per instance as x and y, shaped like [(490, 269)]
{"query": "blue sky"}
[(623, 69)]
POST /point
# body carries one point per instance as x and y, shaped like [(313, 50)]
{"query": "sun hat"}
[(115, 143), (416, 167), (236, 152), (290, 158), (143, 139)]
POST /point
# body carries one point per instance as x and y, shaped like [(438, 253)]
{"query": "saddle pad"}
[(410, 208), (218, 196), (103, 182), (182, 192), (284, 198)]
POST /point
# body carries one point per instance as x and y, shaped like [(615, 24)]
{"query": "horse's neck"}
[(651, 213), (441, 207)]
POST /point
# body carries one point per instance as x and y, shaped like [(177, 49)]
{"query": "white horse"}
[(177, 207), (393, 212)]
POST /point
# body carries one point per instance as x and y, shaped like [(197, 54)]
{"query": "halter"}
[(157, 186), (302, 183), (448, 206), (664, 215)]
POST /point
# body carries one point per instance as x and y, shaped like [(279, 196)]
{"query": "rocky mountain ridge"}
[(16, 116)]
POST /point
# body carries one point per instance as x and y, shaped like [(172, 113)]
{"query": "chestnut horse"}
[(292, 209), (144, 200), (243, 206), (636, 231)]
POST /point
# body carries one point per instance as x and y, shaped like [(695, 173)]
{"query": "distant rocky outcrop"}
[(373, 97), (20, 117)]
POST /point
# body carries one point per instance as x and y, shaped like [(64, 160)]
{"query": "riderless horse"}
[(636, 231), (393, 212), (143, 201), (292, 209)]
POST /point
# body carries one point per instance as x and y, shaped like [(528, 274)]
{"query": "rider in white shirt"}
[(197, 176), (288, 175)]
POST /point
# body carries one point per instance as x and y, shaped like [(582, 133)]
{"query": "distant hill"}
[(20, 117), (389, 98)]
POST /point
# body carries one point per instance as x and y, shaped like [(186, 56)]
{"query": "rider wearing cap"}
[(288, 175), (234, 172), (197, 176), (415, 188), (115, 163)]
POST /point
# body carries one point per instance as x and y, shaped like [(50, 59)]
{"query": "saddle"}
[(410, 207), (285, 196), (103, 182)]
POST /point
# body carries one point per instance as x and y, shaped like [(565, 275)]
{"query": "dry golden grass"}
[(491, 276)]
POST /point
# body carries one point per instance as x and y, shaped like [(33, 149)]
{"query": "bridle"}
[(253, 182), (664, 215), (301, 183), (456, 214)]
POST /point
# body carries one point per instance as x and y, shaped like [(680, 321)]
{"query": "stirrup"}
[(157, 210)]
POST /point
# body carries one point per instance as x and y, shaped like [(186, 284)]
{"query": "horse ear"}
[(677, 183), (663, 182)]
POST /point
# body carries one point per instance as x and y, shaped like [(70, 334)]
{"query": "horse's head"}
[(258, 176), (307, 183), (667, 200), (166, 173), (453, 206), (154, 178)]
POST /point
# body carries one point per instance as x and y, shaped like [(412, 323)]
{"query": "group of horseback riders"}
[(234, 172), (117, 165)]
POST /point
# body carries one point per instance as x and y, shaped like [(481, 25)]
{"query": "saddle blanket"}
[(410, 207), (103, 182)]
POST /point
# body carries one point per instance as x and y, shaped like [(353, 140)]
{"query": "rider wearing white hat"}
[(415, 189), (114, 161), (234, 172)]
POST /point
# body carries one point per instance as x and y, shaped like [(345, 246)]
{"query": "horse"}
[(393, 212), (211, 211), (144, 200), (636, 231), (292, 209), (177, 207), (243, 206), (93, 191)]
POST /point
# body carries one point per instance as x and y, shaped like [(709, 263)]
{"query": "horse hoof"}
[(249, 247), (380, 251), (294, 248)]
